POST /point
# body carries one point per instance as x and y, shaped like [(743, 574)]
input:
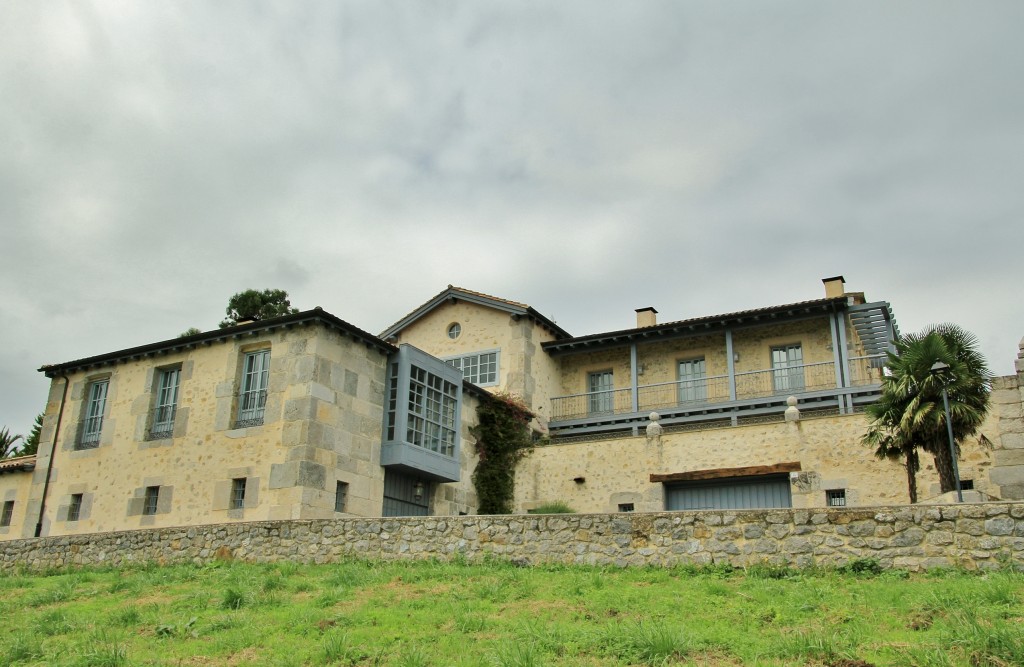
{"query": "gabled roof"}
[(454, 294), (18, 464), (697, 325), (317, 315)]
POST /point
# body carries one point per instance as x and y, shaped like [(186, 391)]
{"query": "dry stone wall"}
[(971, 536)]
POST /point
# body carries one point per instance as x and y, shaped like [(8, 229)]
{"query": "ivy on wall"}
[(503, 438)]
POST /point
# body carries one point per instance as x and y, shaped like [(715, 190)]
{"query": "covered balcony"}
[(853, 339)]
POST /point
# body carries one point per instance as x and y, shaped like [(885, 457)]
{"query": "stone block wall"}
[(975, 536)]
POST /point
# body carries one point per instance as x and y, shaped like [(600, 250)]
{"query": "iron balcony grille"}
[(162, 422), (250, 408), (90, 433)]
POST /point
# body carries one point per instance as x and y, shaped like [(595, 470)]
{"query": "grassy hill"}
[(413, 614)]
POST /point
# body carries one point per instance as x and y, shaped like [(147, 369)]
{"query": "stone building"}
[(306, 416), (299, 417)]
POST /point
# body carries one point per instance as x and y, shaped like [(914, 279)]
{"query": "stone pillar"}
[(1007, 407)]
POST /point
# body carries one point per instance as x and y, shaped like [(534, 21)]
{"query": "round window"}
[(454, 329)]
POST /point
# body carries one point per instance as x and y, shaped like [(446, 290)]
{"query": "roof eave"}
[(697, 325), (209, 337), (455, 294)]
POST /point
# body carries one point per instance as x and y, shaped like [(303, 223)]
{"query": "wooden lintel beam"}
[(722, 473)]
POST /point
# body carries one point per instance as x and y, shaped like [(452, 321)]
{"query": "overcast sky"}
[(587, 158)]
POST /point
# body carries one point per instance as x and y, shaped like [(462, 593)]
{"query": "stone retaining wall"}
[(987, 535)]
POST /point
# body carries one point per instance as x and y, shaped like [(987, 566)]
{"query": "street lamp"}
[(939, 368)]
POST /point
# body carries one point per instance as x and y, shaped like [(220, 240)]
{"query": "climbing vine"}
[(503, 438)]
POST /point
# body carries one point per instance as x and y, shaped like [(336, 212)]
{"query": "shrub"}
[(502, 440), (555, 507), (862, 566)]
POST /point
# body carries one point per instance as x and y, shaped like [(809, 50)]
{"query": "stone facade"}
[(982, 536), (15, 485), (320, 428), (325, 433), (599, 475)]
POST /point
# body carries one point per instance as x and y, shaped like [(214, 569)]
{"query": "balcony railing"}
[(162, 422), (250, 408), (788, 380), (89, 432), (691, 395), (593, 404), (867, 370), (713, 389)]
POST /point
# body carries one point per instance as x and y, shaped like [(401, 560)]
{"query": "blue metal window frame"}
[(237, 493), (600, 391), (252, 399), (835, 497), (8, 513), (75, 507), (692, 376), (166, 407), (472, 366), (788, 368), (152, 500), (422, 420), (96, 406)]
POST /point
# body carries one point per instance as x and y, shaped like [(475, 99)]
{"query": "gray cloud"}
[(588, 158)]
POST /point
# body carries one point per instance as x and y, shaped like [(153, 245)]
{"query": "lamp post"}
[(939, 368)]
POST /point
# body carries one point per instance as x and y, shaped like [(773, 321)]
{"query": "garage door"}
[(733, 493)]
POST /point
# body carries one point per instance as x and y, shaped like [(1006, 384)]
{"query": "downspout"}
[(53, 452)]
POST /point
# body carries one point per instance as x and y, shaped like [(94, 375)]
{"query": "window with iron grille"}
[(5, 518), (253, 397), (75, 507), (836, 497), (162, 425), (480, 368), (238, 493), (625, 507), (96, 404), (967, 485), (152, 498), (340, 497), (432, 405)]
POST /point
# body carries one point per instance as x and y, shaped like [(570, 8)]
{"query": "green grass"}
[(423, 614)]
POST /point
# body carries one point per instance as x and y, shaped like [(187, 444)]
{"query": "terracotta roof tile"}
[(18, 463)]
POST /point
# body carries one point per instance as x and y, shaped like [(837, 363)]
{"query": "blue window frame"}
[(166, 403), (252, 400), (788, 368), (422, 420), (693, 387), (96, 405), (599, 389), (238, 493), (149, 505), (479, 368)]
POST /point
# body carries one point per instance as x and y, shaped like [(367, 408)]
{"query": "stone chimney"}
[(646, 317), (834, 287)]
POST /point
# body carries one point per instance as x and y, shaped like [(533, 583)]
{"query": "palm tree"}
[(7, 443), (910, 413)]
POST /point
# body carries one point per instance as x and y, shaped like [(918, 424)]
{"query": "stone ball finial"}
[(654, 429), (792, 413)]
